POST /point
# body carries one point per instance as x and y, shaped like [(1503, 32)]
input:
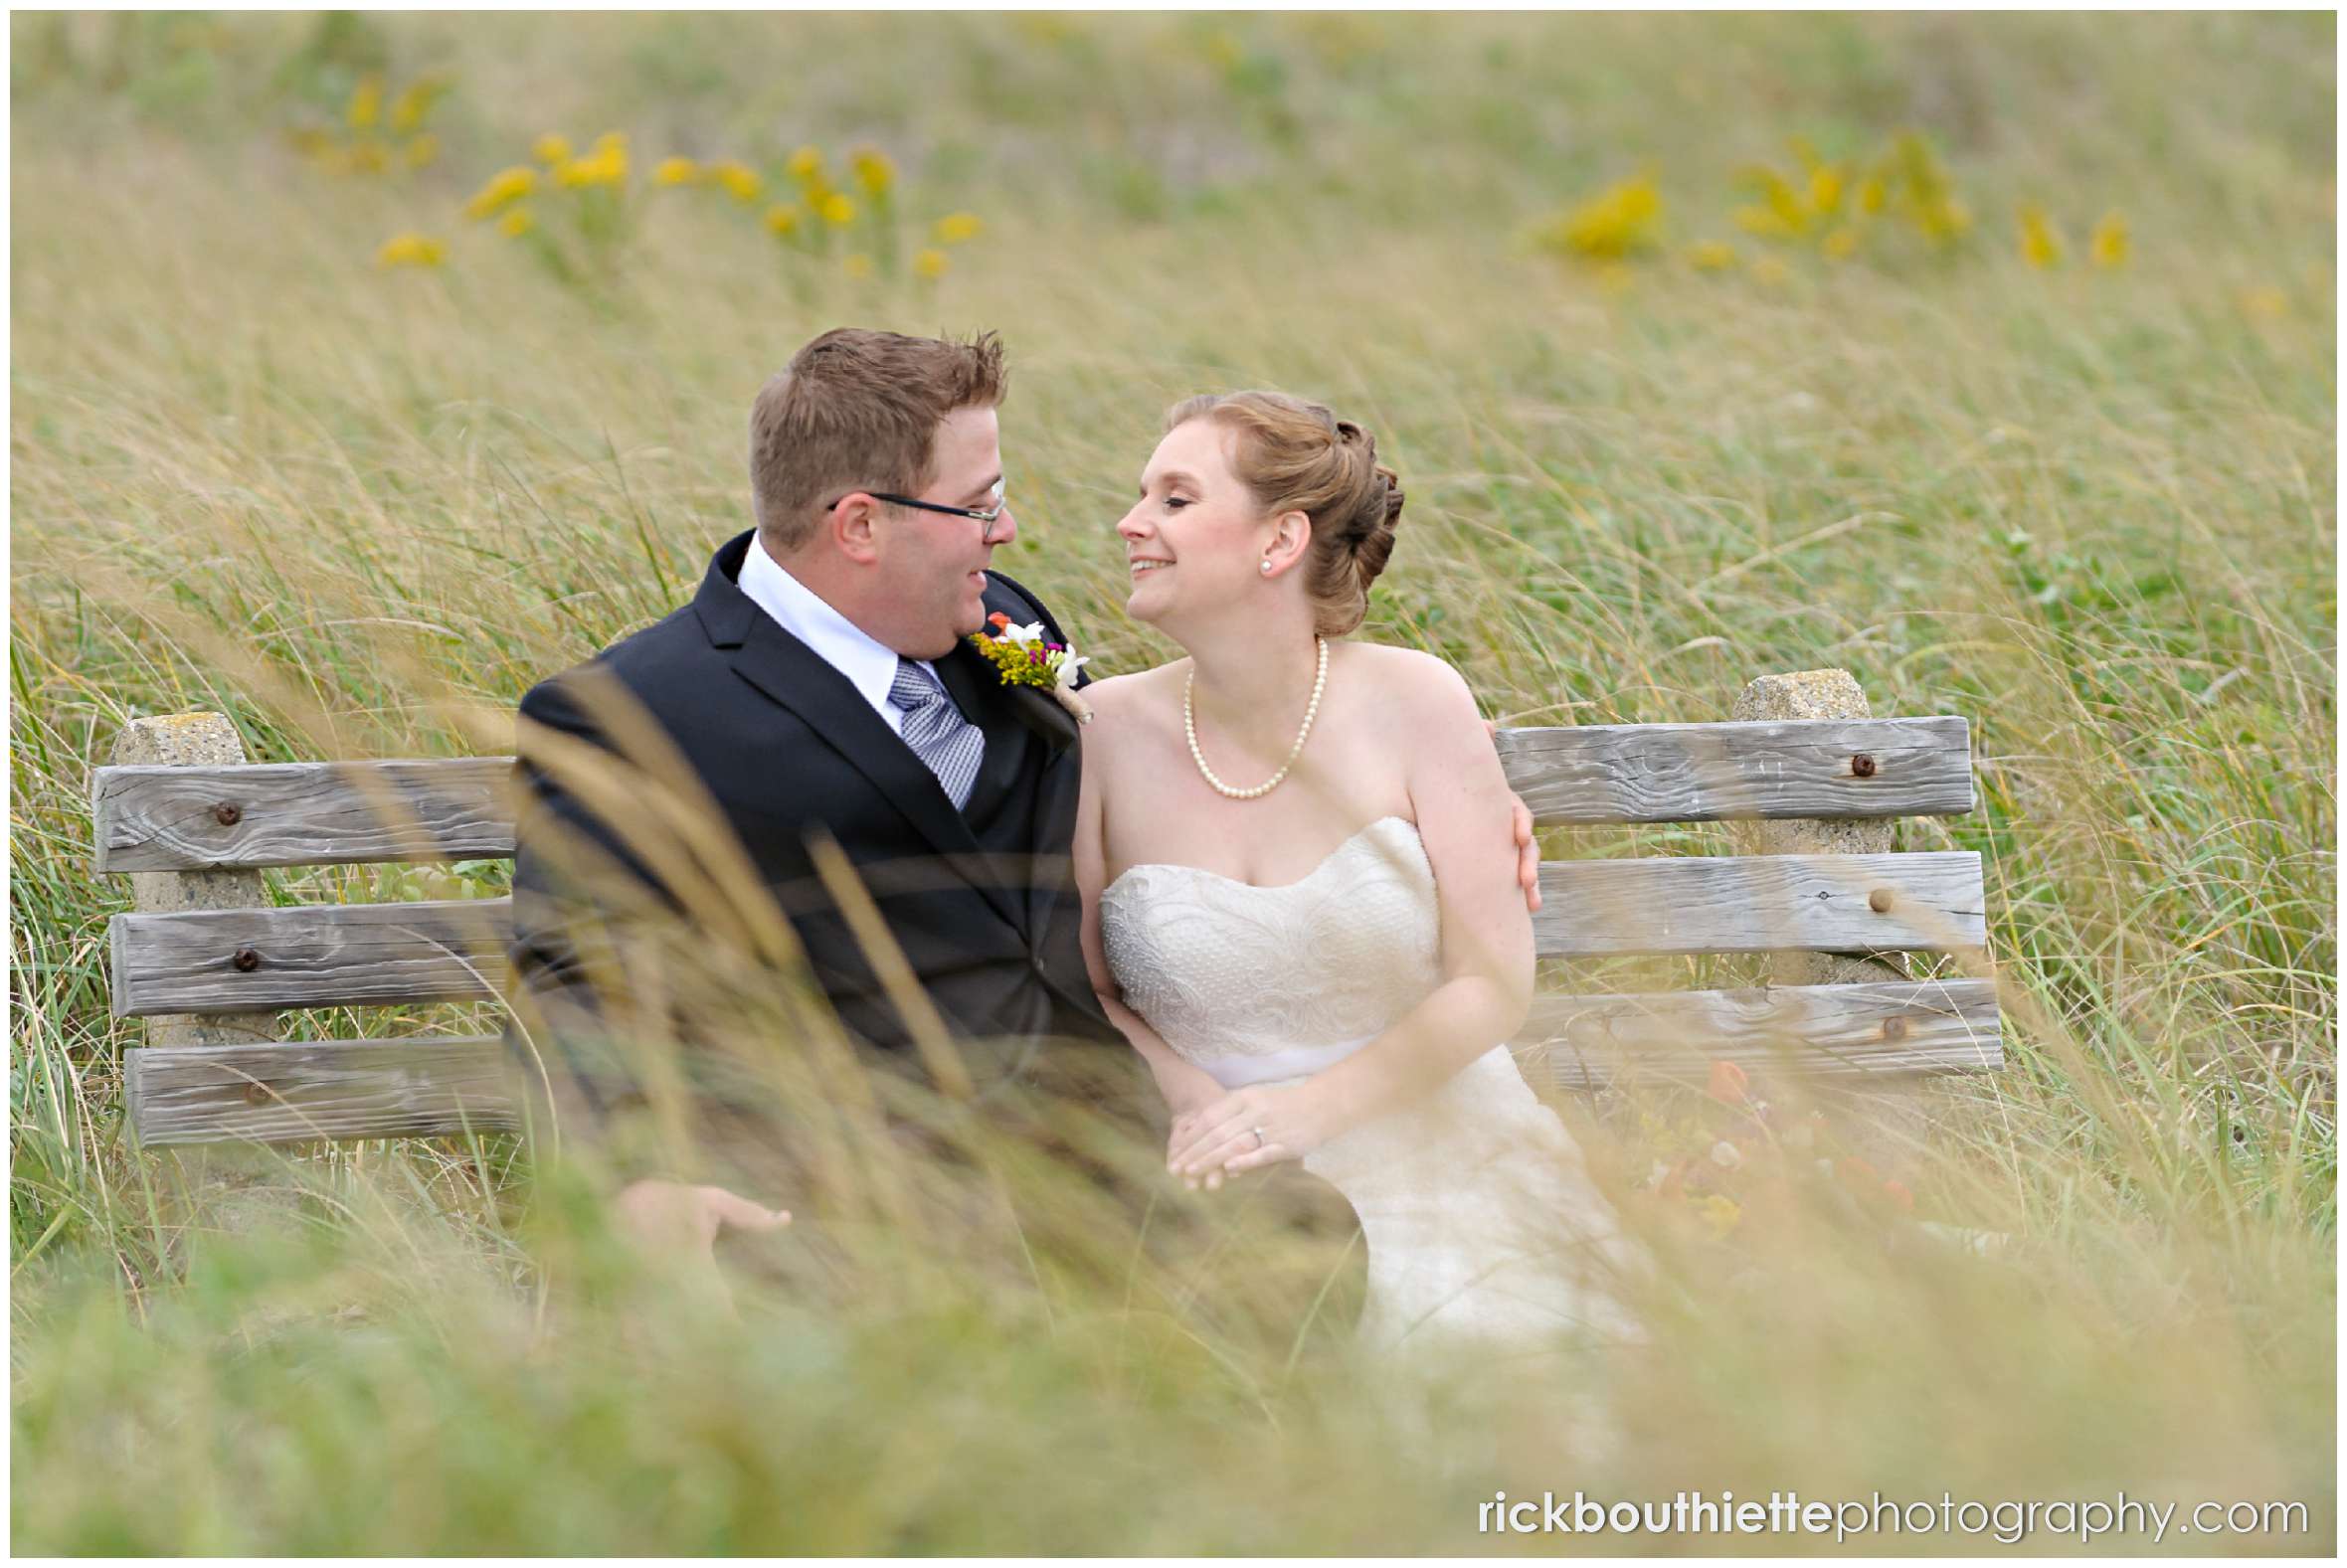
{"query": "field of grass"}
[(360, 508)]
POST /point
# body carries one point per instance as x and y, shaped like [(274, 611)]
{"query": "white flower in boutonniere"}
[(1022, 659)]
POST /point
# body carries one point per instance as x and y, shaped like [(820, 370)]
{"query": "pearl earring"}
[(1267, 568)]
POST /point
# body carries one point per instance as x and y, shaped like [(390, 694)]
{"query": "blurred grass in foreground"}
[(360, 512)]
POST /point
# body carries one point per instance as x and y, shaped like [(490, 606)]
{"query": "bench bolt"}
[(256, 1093), (1895, 1028), (1880, 901), (1861, 766), (246, 959), (228, 813)]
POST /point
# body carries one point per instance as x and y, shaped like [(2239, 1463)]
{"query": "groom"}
[(822, 687)]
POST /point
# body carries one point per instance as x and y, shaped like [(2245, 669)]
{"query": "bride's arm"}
[(1186, 1087), (1465, 818)]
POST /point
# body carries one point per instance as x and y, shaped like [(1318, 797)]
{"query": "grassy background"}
[(361, 509)]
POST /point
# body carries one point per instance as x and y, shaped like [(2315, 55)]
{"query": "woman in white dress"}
[(1300, 892)]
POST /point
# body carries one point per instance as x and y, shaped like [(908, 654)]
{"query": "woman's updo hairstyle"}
[(1298, 457)]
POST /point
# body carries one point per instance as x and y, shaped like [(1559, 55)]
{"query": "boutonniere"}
[(1021, 657)]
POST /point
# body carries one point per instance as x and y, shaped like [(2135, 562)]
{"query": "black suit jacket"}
[(983, 901)]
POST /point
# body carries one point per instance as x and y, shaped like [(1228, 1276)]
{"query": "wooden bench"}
[(1813, 784)]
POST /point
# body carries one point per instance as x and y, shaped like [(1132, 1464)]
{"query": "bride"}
[(1300, 898)]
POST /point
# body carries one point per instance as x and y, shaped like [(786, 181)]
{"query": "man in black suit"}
[(820, 686)]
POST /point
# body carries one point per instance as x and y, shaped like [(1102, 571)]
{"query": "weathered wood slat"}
[(283, 1093), (344, 813), (1701, 772), (301, 813), (327, 956), (1761, 903), (1823, 1030), (337, 1089), (324, 956)]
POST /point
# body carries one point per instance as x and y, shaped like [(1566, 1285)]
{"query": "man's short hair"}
[(859, 409)]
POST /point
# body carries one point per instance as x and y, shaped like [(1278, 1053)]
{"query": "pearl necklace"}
[(1190, 724)]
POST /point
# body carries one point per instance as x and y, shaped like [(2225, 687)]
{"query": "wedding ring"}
[(1258, 1132)]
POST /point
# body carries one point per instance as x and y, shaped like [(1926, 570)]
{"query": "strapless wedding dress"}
[(1482, 1226)]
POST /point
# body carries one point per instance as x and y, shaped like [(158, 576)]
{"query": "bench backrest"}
[(198, 821)]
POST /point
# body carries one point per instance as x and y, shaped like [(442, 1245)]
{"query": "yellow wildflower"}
[(860, 266), (1872, 193), (423, 150), (2265, 301), (1841, 245), (607, 166), (2110, 242), (1618, 222), (1825, 189), (366, 103), (551, 148), (954, 228), (1770, 271), (737, 178), (410, 107), (369, 157), (611, 142), (783, 220), (807, 163), (517, 223), (1721, 1214), (2041, 247), (411, 250), (504, 187), (838, 211), (1926, 198), (874, 171), (1711, 256), (1783, 211), (1945, 219), (930, 264), (676, 171)]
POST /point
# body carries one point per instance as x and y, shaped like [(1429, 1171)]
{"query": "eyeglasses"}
[(984, 514), (987, 515)]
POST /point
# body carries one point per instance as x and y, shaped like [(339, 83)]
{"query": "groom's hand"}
[(678, 1223), (1528, 848)]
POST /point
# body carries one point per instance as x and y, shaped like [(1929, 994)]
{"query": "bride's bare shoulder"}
[(1421, 682), (1131, 701)]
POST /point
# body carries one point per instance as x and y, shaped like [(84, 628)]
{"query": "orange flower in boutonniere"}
[(1022, 659)]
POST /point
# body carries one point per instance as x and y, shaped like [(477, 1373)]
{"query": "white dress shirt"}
[(868, 663)]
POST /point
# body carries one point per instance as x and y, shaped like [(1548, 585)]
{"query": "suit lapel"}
[(977, 689), (789, 673)]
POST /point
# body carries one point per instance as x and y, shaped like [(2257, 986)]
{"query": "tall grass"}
[(360, 512)]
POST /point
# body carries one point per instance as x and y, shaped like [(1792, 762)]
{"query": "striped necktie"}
[(948, 745)]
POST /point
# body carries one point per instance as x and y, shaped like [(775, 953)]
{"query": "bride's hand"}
[(1187, 1088), (1251, 1126)]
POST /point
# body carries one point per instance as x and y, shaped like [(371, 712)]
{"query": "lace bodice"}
[(1480, 1218), (1290, 975)]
